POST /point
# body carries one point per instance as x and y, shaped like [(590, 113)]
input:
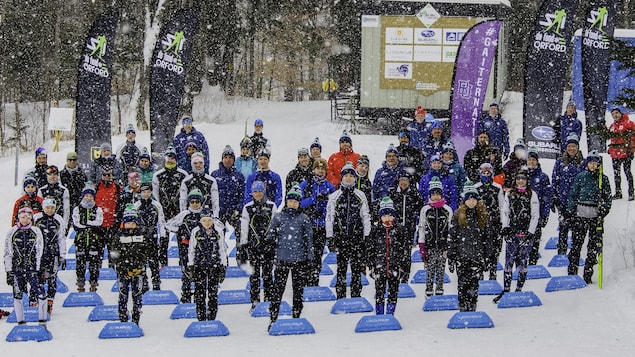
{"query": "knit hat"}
[(363, 160), (486, 166), (88, 190), (170, 152), (105, 147), (197, 157), (436, 124), (228, 151), (303, 152), (523, 171), (447, 147), (29, 180), (616, 109), (316, 144), (571, 104), (195, 194), (404, 133), (429, 117), (594, 156), (245, 142), (145, 185), (494, 104), (533, 153), (420, 111), (520, 144), (391, 149), (573, 138), (348, 169), (145, 154), (206, 213), (257, 186), (435, 186), (264, 152), (345, 138), (134, 175), (130, 129), (295, 193), (52, 170), (49, 201), (469, 191), (259, 122), (40, 151), (130, 214), (319, 163), (191, 142), (386, 207), (71, 156), (186, 119)]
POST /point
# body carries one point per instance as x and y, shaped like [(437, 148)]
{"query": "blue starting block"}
[(534, 272), (552, 243), (377, 323), (416, 257), (160, 297), (173, 237), (173, 252), (6, 299), (61, 287), (71, 234), (489, 287), (115, 287), (71, 264), (441, 303), (299, 326), (421, 276), (351, 305), (248, 286), (183, 311), (470, 319), (104, 313), (405, 291), (499, 266), (206, 329), (71, 249), (262, 309), (232, 253), (171, 272), (317, 293), (120, 330), (562, 260), (326, 270), (236, 272), (348, 279), (22, 333), (330, 258), (232, 236), (30, 315), (83, 299), (519, 299), (104, 274), (567, 282), (232, 297)]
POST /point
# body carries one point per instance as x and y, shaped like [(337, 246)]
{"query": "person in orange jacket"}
[(621, 149), (339, 159)]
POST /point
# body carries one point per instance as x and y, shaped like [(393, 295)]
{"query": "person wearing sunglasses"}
[(73, 178)]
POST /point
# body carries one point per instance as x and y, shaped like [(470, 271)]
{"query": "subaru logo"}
[(427, 33), (545, 133)]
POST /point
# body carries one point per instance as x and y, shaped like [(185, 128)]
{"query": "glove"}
[(321, 197), (222, 270), (235, 215), (630, 155), (10, 278), (134, 272), (63, 263), (423, 252), (401, 274), (542, 222)]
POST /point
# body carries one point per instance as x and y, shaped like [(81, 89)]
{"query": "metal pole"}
[(17, 157)]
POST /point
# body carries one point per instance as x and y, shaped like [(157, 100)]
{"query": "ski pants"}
[(355, 256), (617, 171), (130, 284), (380, 288), (594, 246), (468, 274), (186, 278), (517, 251), (262, 264), (281, 274), (435, 269), (88, 251), (36, 294), (48, 274), (319, 242), (206, 287)]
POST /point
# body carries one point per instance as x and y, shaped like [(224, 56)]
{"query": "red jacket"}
[(34, 202), (623, 142), (106, 197), (337, 161)]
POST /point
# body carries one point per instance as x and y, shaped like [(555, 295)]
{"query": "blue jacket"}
[(201, 145), (231, 189), (290, 231), (458, 173), (418, 133), (273, 186), (315, 199), (585, 190), (569, 124), (498, 132), (539, 182), (385, 180), (564, 172), (246, 165), (449, 189), (433, 147)]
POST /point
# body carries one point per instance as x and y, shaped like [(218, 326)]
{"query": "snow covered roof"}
[(467, 2)]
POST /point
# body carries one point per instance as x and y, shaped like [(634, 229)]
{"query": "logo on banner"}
[(543, 133), (94, 61), (595, 36), (169, 57), (428, 15), (550, 38), (465, 89)]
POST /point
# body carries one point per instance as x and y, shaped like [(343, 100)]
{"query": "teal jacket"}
[(585, 190)]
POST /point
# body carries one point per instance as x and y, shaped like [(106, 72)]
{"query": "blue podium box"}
[(441, 303), (330, 258), (23, 333), (470, 319), (416, 257), (562, 260), (489, 287), (104, 274), (173, 252), (421, 276), (120, 330), (404, 292), (232, 297), (351, 305), (71, 249), (552, 243), (248, 286), (212, 328), (82, 299), (519, 299), (183, 311), (30, 315), (567, 282), (171, 272), (6, 299), (160, 297), (377, 323), (326, 270), (262, 309), (317, 293), (71, 264), (299, 326), (236, 272), (349, 278), (104, 313), (232, 253), (534, 272)]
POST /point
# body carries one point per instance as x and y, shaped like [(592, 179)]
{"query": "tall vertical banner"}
[(471, 76), (167, 77), (596, 44), (92, 120), (545, 70)]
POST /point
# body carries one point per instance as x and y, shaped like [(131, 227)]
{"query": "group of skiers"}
[(420, 196)]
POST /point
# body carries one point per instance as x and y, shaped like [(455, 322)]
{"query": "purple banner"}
[(471, 76)]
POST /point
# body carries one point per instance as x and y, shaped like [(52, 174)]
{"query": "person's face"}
[(25, 219), (420, 118), (134, 181), (345, 146), (130, 225), (49, 210), (105, 153), (170, 160), (258, 195), (471, 202), (448, 156), (106, 176), (570, 110), (258, 129), (71, 163), (187, 127), (195, 203), (348, 179), (436, 133), (319, 171), (88, 198), (486, 173), (51, 178), (493, 111), (483, 139), (532, 162), (190, 149), (435, 197), (144, 163), (293, 204), (244, 151), (362, 169), (521, 181), (30, 188), (146, 194), (387, 218), (303, 160), (616, 115), (207, 222), (521, 154), (592, 166), (263, 162), (403, 140), (404, 183), (130, 136), (316, 152), (572, 149), (436, 165), (41, 159), (198, 165), (228, 161), (392, 159)]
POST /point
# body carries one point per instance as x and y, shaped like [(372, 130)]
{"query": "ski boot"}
[(617, 195)]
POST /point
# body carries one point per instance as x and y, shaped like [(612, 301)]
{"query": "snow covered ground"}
[(586, 322)]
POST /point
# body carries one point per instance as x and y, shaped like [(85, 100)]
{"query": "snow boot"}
[(617, 195), (93, 288), (390, 308), (631, 197), (136, 316), (439, 291), (49, 307), (588, 274), (379, 309), (499, 296), (429, 292), (4, 313), (296, 313)]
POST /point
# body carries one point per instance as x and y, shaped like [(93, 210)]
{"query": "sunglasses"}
[(521, 178), (71, 159)]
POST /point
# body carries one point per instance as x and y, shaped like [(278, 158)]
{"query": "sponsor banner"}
[(167, 77), (428, 53), (596, 33), (92, 119), (398, 53), (471, 76), (545, 71), (453, 36), (370, 21), (399, 35), (431, 36), (398, 70), (449, 53)]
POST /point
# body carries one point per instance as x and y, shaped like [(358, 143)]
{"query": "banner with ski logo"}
[(167, 77), (471, 76), (596, 44), (545, 70), (92, 117)]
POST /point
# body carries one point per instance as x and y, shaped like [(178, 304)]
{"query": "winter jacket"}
[(407, 204), (254, 223), (337, 161), (457, 172), (208, 248), (434, 226), (622, 138), (539, 182), (419, 132), (298, 174), (569, 124), (496, 127), (389, 249), (316, 195), (128, 153), (209, 188), (152, 218), (61, 196), (127, 196), (365, 185), (107, 197), (23, 249), (131, 249), (291, 233), (33, 201), (449, 191), (385, 181), (39, 173), (412, 160), (479, 155), (585, 190), (520, 211), (183, 224), (565, 170), (97, 168), (432, 146), (273, 185), (87, 223), (181, 139), (258, 142), (146, 175), (166, 187), (468, 240), (347, 217), (231, 189), (246, 165), (185, 163), (492, 196), (510, 169), (74, 180), (54, 240)]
